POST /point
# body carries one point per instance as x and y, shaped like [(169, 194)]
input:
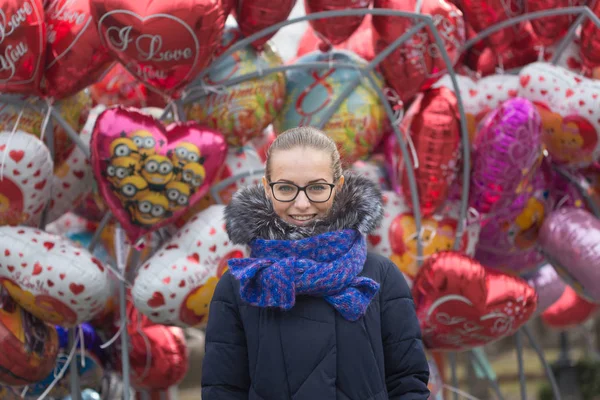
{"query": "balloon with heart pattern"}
[(25, 178), (164, 44), (29, 346), (176, 285), (570, 57), (54, 280), (569, 311), (22, 46), (149, 174), (75, 55), (570, 109), (569, 240), (462, 304)]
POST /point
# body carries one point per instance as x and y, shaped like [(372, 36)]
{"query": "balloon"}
[(432, 124), (29, 347), (25, 175), (482, 15), (51, 278), (176, 285), (87, 394), (566, 193), (164, 44), (335, 30), (569, 107), (263, 142), (550, 29), (508, 238), (22, 46), (119, 87), (462, 305), (569, 240), (75, 55), (148, 174), (256, 15), (360, 121), (74, 111), (90, 364), (360, 42), (590, 45), (506, 151), (417, 63), (569, 311), (374, 170), (548, 286), (570, 57), (244, 110)]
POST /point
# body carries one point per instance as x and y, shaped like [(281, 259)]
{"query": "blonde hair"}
[(306, 136)]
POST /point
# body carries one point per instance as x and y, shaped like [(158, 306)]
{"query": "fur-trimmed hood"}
[(250, 215)]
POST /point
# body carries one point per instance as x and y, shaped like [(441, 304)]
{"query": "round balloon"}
[(244, 110), (548, 286), (360, 121)]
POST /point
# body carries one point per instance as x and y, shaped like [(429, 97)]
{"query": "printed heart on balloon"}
[(25, 178), (150, 175), (164, 44), (461, 304), (50, 277), (176, 285)]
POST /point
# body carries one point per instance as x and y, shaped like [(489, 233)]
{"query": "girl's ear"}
[(340, 182), (266, 187)]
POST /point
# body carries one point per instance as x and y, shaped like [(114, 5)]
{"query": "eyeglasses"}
[(315, 192)]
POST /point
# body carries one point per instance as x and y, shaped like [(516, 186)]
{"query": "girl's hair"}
[(306, 136)]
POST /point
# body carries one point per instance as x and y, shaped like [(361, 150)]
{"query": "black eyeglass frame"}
[(303, 189)]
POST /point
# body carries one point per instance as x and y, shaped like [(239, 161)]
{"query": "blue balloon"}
[(84, 239)]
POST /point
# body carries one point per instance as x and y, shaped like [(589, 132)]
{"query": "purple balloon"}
[(506, 151), (570, 240), (548, 286)]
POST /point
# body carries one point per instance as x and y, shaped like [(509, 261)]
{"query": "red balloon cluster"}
[(335, 30), (256, 15)]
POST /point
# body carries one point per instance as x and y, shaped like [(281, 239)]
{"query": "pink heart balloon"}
[(150, 175)]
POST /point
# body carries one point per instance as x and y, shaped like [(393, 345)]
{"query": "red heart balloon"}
[(75, 55), (335, 30), (550, 29), (253, 16), (483, 14), (417, 64), (163, 43), (22, 46), (590, 43), (149, 175), (569, 310), (461, 304)]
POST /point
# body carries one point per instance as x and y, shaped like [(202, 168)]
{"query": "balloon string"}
[(113, 339), (24, 392), (459, 392), (259, 67), (61, 372), (46, 120), (146, 371), (500, 69), (82, 347), (7, 148), (119, 275), (541, 52)]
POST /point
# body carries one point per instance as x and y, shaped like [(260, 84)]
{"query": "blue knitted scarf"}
[(326, 265)]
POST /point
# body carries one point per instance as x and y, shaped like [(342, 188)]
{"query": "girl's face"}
[(302, 167)]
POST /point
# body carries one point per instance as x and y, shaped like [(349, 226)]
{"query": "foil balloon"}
[(163, 44), (22, 46), (374, 170), (548, 286), (87, 394), (25, 176), (506, 151), (482, 15), (432, 125), (549, 30), (263, 142), (418, 63), (590, 43), (75, 55), (566, 193), (149, 175), (256, 15), (51, 278), (176, 285), (569, 106), (570, 240), (360, 42), (29, 346), (508, 239), (569, 311), (74, 110), (244, 110), (89, 363), (360, 121), (335, 30), (462, 304), (570, 57)]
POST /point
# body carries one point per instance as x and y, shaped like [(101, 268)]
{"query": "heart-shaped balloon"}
[(590, 44), (164, 44), (256, 15), (569, 311), (75, 55), (570, 109), (432, 124), (548, 286), (569, 240), (175, 286), (550, 29), (461, 304), (482, 15), (30, 346), (507, 149), (25, 178), (47, 275), (148, 174), (335, 30), (22, 46)]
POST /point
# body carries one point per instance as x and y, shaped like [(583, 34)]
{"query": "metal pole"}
[(521, 364)]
